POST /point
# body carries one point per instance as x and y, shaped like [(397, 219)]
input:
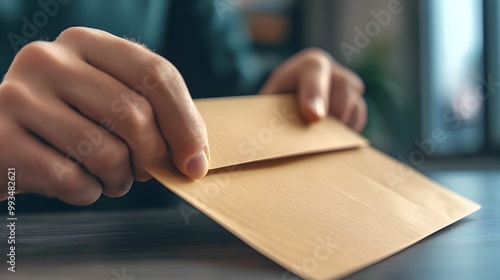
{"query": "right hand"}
[(57, 97)]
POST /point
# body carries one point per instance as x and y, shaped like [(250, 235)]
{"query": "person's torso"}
[(25, 21)]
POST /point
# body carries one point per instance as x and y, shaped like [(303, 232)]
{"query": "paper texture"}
[(247, 129), (321, 215)]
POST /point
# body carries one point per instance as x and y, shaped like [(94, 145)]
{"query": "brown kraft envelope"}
[(314, 198)]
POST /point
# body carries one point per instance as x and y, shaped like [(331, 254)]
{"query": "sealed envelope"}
[(314, 198)]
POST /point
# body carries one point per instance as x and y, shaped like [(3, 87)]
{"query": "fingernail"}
[(318, 107), (197, 167)]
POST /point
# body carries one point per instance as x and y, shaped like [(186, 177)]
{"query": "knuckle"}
[(317, 52), (114, 160), (141, 118), (166, 69), (37, 59), (113, 157), (34, 53), (317, 58), (77, 38), (160, 70), (74, 33), (15, 95)]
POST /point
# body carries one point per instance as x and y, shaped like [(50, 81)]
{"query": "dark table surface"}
[(160, 244)]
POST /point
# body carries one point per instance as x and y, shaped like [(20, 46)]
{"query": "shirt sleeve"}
[(208, 42)]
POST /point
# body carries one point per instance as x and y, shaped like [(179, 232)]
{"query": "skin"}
[(78, 120)]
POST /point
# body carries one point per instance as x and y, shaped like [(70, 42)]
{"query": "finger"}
[(56, 177), (342, 73), (159, 81), (308, 72), (101, 153), (342, 102), (117, 107), (96, 95), (282, 80), (44, 171), (314, 90), (359, 115), (347, 88)]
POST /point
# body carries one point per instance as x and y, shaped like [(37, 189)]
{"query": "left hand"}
[(323, 87)]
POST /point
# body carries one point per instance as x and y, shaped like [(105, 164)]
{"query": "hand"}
[(323, 87), (83, 114)]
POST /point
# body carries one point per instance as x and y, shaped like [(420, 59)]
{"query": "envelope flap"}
[(320, 216), (248, 129)]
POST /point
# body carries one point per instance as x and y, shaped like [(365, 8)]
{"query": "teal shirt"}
[(208, 46), (206, 42)]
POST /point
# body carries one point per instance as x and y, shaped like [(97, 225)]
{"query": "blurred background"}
[(432, 75), (430, 66)]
